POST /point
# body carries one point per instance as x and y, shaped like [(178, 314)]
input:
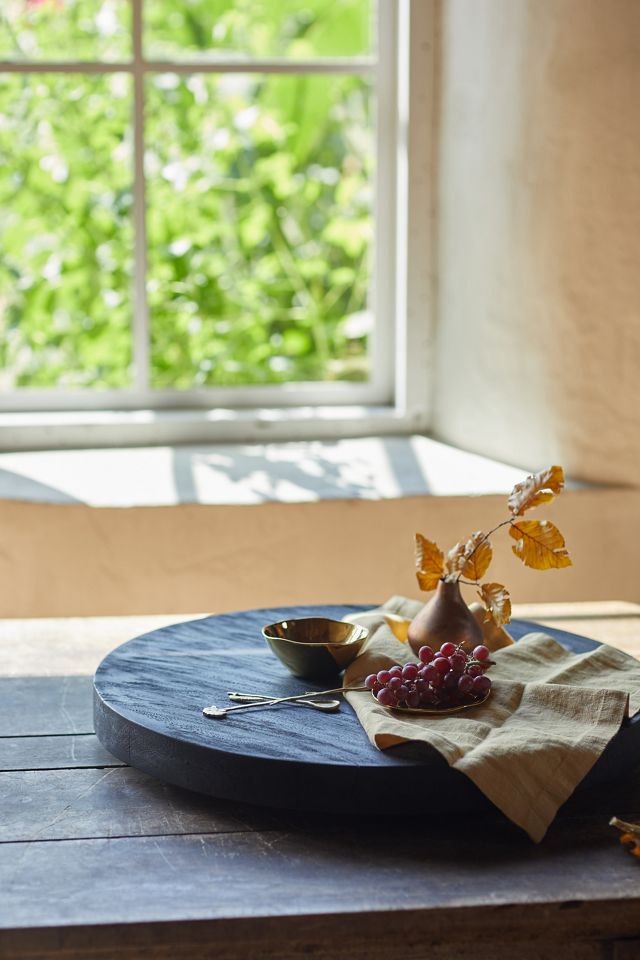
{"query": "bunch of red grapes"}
[(446, 678)]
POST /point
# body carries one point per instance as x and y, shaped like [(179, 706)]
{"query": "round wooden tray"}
[(148, 700)]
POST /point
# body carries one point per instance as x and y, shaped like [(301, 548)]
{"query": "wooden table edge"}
[(328, 935)]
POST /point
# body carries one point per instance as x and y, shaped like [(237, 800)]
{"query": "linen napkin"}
[(550, 715)]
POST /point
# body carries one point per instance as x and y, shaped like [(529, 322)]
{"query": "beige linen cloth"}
[(550, 715)]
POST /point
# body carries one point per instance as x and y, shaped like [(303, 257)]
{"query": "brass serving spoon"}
[(219, 712), (324, 706)]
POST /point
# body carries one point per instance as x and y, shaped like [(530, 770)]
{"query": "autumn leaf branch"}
[(539, 544)]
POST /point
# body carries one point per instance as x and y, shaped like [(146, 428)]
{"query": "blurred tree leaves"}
[(247, 170), (65, 231), (258, 28), (259, 199)]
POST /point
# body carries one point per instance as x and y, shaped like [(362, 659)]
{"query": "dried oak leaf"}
[(630, 834), (536, 489), (399, 626), (429, 561), (497, 602), (539, 544), (470, 558), (454, 558)]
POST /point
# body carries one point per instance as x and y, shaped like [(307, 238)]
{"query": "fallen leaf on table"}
[(398, 625), (630, 837)]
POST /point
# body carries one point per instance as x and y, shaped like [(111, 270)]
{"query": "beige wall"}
[(71, 560), (538, 301), (538, 350)]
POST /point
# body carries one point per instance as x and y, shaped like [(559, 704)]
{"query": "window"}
[(198, 204)]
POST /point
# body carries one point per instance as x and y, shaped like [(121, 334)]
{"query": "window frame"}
[(397, 397)]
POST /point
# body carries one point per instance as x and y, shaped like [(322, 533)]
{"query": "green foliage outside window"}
[(258, 196)]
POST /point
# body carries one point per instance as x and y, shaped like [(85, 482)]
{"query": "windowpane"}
[(65, 230), (259, 223), (295, 29), (65, 30)]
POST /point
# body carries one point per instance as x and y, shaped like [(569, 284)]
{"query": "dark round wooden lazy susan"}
[(149, 695)]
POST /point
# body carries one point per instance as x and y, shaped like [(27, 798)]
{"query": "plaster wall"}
[(537, 344), (74, 560), (538, 250)]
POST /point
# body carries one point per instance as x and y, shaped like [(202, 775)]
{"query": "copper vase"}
[(445, 617)]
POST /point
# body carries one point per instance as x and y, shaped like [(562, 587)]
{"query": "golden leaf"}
[(630, 837), (497, 602), (429, 561), (494, 637), (399, 626), (539, 544), (626, 827), (470, 558), (478, 557), (536, 489), (455, 558)]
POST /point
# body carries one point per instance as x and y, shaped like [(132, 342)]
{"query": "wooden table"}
[(98, 860)]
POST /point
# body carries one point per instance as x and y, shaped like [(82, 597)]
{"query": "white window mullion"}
[(383, 266), (415, 210), (141, 338), (56, 66), (361, 66)]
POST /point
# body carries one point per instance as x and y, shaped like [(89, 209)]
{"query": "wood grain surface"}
[(54, 753), (149, 695), (99, 861), (41, 706), (74, 646)]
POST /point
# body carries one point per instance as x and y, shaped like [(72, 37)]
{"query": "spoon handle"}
[(217, 712), (324, 706)]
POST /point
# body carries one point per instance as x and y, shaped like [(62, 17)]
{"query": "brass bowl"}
[(315, 648), (434, 711)]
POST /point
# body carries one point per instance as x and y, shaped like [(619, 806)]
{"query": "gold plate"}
[(433, 711)]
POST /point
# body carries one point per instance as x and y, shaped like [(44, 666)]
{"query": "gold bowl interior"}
[(316, 648)]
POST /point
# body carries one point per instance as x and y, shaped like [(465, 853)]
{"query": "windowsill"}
[(70, 430), (365, 468)]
